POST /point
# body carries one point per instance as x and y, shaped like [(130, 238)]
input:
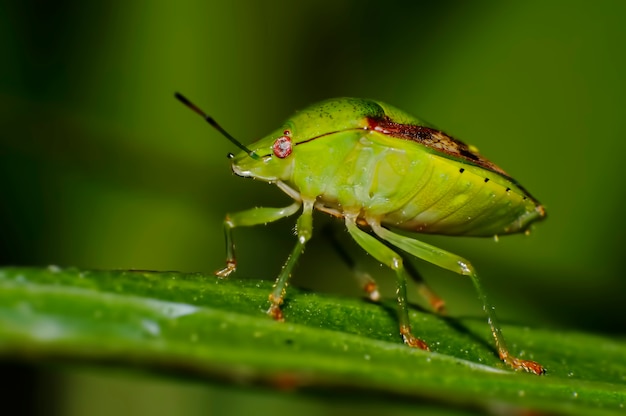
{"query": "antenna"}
[(213, 123)]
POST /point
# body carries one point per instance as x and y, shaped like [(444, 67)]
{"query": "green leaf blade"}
[(200, 326)]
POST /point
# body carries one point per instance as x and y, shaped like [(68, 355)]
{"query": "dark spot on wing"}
[(468, 155)]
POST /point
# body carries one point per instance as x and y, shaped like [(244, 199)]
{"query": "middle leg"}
[(390, 258), (367, 282)]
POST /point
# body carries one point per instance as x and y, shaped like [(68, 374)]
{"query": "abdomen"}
[(461, 199)]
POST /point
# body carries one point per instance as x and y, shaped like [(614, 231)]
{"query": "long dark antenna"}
[(213, 123)]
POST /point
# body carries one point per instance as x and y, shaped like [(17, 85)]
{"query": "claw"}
[(231, 266), (411, 341), (371, 289), (528, 366), (439, 306), (519, 364), (276, 313)]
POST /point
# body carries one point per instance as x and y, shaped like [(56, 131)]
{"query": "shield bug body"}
[(380, 169)]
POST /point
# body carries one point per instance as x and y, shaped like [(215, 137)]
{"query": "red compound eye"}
[(282, 147)]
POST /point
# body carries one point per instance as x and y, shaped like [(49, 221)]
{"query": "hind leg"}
[(459, 265)]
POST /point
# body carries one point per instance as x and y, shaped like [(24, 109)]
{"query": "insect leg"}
[(367, 282), (438, 305), (254, 216), (387, 256), (363, 278), (304, 228), (459, 265)]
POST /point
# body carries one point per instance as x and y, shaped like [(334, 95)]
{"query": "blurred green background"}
[(102, 168)]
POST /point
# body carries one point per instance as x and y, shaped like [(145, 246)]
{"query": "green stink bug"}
[(379, 168)]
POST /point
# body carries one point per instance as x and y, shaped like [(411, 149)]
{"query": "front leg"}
[(304, 229), (247, 218)]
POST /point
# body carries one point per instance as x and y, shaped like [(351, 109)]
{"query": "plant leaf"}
[(201, 326)]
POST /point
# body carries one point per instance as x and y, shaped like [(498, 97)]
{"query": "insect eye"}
[(282, 147)]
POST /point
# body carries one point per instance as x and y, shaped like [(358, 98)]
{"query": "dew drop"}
[(151, 327)]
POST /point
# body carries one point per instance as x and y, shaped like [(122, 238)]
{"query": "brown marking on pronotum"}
[(434, 139)]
